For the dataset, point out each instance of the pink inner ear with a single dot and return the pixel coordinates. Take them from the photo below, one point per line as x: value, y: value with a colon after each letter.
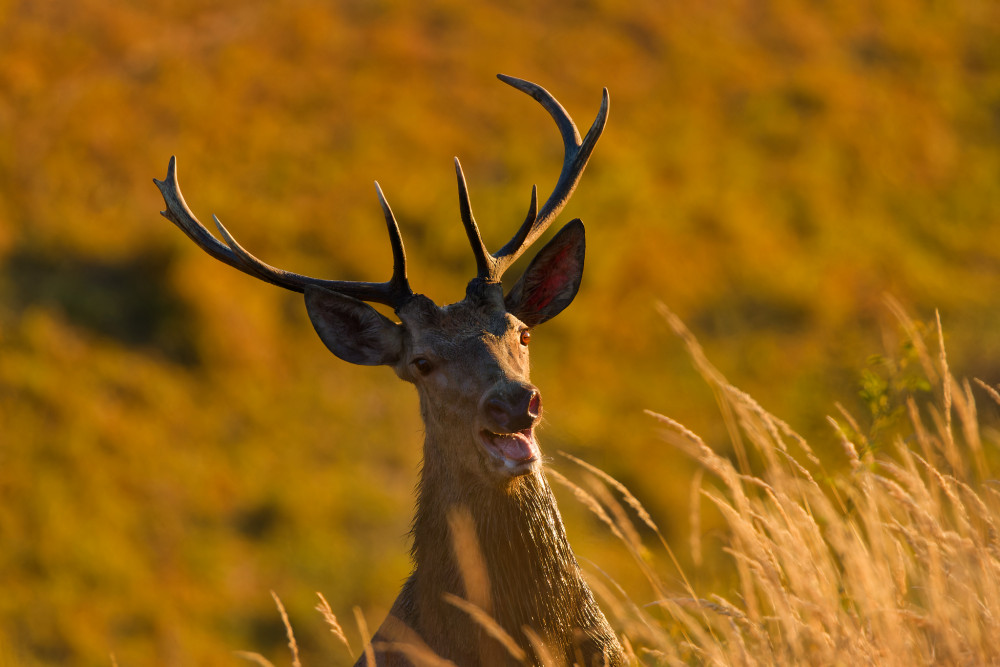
x: 540, y: 293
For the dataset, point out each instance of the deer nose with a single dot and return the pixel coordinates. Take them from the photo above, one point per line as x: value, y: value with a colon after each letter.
x: 514, y: 413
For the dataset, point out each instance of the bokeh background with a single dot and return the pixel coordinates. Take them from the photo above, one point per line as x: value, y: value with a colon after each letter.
x: 175, y: 442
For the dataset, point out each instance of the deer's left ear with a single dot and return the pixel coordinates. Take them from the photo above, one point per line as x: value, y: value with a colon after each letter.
x: 552, y: 278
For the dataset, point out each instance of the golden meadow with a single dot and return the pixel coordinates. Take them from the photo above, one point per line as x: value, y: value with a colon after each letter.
x: 804, y: 185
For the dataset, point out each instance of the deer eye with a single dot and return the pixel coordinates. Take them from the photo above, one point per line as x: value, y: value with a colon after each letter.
x: 525, y: 337
x: 422, y: 365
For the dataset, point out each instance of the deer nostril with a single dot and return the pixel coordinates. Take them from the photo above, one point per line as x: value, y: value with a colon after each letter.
x: 525, y: 412
x: 534, y: 404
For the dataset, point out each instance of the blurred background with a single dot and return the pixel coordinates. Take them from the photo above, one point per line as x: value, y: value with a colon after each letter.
x: 175, y: 441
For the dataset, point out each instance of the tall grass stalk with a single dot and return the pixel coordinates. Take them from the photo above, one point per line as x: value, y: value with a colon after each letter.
x: 894, y: 561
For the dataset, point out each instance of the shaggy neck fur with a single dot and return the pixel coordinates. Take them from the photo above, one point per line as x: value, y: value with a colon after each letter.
x: 534, y: 579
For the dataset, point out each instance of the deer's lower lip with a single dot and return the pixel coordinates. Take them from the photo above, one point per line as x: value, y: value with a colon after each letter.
x: 513, y: 450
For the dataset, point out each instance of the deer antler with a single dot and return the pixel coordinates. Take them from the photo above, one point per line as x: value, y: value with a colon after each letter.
x: 577, y: 153
x: 394, y: 292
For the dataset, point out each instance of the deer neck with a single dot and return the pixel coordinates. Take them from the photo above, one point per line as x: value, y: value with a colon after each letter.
x: 533, y: 577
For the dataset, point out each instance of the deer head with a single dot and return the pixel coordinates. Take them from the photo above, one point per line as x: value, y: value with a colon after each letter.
x: 468, y: 360
x: 469, y: 363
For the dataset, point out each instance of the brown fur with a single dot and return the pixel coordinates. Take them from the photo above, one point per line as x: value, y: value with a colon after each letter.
x: 534, y: 580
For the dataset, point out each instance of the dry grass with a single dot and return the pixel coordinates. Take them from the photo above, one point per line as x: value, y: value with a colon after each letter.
x: 893, y: 561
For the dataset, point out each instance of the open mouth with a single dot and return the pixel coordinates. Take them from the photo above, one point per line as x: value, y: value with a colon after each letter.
x: 514, y: 451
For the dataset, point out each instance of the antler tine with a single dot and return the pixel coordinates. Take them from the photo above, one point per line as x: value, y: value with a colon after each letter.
x: 577, y: 153
x: 178, y: 213
x: 485, y: 263
x: 394, y: 292
x: 529, y: 220
x: 399, y: 284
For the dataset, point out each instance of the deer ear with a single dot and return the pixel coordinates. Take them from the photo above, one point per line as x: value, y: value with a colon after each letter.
x: 353, y: 330
x: 552, y: 278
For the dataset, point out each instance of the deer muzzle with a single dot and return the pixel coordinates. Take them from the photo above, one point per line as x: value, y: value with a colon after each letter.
x: 509, y: 419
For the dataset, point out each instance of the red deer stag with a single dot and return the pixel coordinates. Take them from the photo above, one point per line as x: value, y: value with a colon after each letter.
x: 481, y: 461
